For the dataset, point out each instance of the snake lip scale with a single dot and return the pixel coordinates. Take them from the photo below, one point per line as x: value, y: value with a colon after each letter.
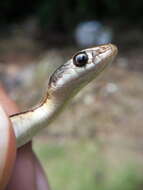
x: 63, y: 85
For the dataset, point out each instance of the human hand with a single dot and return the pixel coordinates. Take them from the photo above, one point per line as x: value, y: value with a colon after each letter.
x: 19, y: 169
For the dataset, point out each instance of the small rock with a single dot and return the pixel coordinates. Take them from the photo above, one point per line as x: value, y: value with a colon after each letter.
x: 111, y: 88
x: 91, y: 33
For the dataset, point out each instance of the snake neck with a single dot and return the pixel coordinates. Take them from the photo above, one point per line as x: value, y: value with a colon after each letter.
x: 27, y: 123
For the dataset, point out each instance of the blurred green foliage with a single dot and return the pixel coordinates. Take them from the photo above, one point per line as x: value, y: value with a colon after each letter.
x: 80, y: 166
x: 65, y: 14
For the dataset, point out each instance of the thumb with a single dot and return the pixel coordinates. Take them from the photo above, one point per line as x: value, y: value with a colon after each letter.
x: 7, y: 148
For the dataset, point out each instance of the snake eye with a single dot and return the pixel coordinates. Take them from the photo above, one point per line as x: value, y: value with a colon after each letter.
x: 80, y: 59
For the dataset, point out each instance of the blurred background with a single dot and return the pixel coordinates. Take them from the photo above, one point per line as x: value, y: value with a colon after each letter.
x: 97, y: 142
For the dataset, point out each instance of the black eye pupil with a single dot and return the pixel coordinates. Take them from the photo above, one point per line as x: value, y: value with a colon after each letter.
x: 81, y: 59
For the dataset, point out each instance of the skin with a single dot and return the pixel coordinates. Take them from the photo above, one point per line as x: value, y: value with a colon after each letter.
x: 19, y: 170
x: 63, y: 85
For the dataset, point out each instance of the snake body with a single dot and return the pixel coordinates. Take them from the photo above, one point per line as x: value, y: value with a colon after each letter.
x: 63, y: 84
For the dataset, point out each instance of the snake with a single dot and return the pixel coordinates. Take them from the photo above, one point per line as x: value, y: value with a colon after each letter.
x: 62, y: 86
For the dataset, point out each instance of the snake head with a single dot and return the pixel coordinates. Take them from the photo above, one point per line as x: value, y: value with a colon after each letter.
x: 82, y: 68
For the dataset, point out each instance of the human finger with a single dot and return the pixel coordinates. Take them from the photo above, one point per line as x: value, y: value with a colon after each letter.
x: 7, y: 148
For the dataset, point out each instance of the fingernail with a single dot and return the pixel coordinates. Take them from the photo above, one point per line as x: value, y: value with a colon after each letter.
x: 4, y: 121
x: 4, y: 126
